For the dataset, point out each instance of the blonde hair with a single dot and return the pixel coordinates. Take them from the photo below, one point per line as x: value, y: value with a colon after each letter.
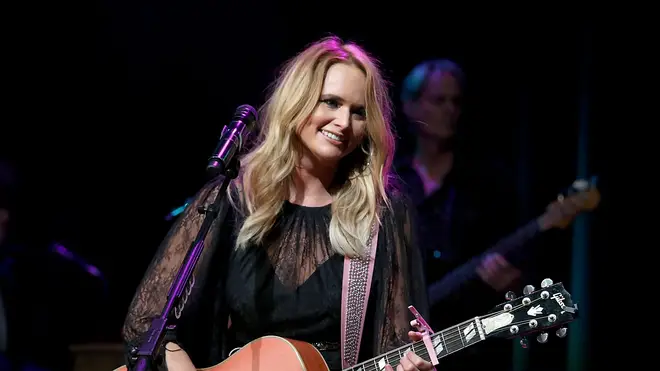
x: 267, y: 171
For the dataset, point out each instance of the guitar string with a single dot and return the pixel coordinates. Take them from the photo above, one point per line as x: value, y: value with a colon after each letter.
x: 454, y: 334
x: 422, y: 352
x: 452, y: 337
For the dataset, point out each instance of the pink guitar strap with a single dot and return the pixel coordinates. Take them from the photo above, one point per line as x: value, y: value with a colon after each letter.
x: 356, y: 286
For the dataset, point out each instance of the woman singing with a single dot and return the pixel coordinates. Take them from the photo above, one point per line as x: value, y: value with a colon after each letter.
x: 314, y: 190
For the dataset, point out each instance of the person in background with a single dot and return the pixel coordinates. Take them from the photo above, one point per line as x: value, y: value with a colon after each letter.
x: 28, y: 340
x: 464, y: 205
x: 44, y: 291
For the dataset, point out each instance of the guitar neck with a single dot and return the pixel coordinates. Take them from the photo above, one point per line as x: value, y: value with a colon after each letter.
x: 444, y: 343
x: 450, y: 282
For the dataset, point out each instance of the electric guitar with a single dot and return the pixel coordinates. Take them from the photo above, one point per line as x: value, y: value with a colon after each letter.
x: 536, y: 312
x: 581, y: 196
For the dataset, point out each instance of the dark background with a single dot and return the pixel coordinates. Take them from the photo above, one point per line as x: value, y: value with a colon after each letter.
x: 118, y: 106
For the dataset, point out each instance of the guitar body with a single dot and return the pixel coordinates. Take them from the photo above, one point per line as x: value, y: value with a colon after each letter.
x: 268, y: 353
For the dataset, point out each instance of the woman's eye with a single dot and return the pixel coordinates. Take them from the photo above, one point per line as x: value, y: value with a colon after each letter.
x: 332, y: 103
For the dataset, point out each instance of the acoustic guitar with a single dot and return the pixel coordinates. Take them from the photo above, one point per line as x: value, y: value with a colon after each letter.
x: 536, y: 312
x: 581, y: 196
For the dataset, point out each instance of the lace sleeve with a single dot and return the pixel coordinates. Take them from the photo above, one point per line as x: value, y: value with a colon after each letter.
x: 404, y: 282
x: 151, y: 295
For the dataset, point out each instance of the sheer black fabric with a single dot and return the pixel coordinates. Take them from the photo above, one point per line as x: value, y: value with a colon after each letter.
x: 290, y: 287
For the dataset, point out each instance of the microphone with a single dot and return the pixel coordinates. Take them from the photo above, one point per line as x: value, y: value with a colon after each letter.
x: 232, y: 139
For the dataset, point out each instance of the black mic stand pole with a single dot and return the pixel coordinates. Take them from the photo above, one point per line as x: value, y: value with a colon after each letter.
x: 145, y: 354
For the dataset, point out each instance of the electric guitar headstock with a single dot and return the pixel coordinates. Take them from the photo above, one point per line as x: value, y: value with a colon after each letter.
x: 581, y: 196
x: 536, y: 312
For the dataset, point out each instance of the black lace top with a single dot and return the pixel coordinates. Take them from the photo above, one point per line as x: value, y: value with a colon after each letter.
x: 293, y: 288
x: 290, y: 287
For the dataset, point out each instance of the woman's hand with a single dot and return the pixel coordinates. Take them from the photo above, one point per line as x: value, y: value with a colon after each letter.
x: 411, y: 361
x: 177, y: 359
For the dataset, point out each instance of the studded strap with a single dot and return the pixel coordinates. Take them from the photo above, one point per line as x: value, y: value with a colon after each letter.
x: 356, y: 286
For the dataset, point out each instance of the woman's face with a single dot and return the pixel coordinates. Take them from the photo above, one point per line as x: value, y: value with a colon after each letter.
x: 337, y: 125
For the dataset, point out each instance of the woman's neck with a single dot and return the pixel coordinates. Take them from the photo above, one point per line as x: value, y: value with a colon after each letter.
x: 311, y: 186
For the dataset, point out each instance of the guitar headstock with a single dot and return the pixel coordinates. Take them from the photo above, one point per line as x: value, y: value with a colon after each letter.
x: 581, y: 196
x: 536, y: 311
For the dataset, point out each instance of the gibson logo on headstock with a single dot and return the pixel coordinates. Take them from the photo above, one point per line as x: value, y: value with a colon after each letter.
x: 559, y: 298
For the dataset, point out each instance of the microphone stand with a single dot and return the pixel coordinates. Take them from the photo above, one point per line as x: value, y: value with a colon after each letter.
x: 145, y: 354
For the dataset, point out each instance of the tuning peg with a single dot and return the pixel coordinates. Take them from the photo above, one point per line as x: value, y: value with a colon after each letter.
x: 542, y: 338
x: 528, y: 290
x: 510, y: 295
x: 524, y: 342
x: 561, y: 332
x: 546, y: 282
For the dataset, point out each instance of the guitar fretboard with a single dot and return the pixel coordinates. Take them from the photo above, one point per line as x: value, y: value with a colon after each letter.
x: 444, y: 343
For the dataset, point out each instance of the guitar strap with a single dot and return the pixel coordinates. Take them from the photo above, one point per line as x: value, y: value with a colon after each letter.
x: 356, y: 286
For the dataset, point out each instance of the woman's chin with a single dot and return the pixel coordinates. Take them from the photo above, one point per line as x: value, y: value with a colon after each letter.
x: 328, y: 154
x: 324, y: 159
